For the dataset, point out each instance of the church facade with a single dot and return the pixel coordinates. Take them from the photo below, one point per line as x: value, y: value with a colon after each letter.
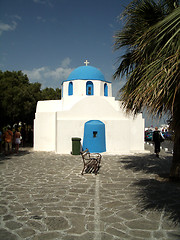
x: 87, y: 110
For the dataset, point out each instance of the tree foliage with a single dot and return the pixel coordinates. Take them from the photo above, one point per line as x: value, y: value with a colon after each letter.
x: 18, y: 97
x: 50, y: 94
x: 151, y: 63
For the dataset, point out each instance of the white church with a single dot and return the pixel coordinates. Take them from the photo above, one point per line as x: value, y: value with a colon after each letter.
x: 88, y: 111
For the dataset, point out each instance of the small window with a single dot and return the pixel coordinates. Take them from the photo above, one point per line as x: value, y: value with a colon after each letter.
x: 105, y: 90
x: 95, y: 134
x: 70, y: 89
x: 89, y: 88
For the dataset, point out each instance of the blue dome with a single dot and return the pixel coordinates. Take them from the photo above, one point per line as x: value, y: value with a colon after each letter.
x: 86, y: 73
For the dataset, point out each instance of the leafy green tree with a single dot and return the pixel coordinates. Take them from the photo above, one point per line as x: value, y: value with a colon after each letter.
x: 151, y: 63
x: 50, y: 93
x: 18, y: 98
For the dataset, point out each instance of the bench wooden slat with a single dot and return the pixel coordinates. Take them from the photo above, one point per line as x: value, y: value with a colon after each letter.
x: 91, y: 162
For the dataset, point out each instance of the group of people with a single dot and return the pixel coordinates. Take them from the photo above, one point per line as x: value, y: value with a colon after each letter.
x: 9, y: 138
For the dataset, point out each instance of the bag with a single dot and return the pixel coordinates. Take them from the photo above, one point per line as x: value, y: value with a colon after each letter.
x: 161, y: 139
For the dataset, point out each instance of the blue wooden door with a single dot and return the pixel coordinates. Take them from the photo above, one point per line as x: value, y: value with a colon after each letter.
x: 94, y: 136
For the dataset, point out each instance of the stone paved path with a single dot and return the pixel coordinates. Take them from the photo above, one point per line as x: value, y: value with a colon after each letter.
x: 43, y: 196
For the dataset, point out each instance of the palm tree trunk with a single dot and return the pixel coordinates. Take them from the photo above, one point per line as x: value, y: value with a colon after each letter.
x: 175, y: 167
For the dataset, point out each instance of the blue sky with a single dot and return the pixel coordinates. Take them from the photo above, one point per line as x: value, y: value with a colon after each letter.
x: 47, y: 39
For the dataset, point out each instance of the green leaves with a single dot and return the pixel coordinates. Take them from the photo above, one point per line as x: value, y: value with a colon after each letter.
x: 18, y: 97
x: 151, y: 63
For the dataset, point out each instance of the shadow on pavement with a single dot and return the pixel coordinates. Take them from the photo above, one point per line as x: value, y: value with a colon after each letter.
x: 156, y: 192
x: 4, y: 157
x: 148, y: 164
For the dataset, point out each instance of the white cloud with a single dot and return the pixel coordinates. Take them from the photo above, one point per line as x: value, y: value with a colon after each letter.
x: 48, y: 2
x: 50, y: 77
x: 36, y: 73
x: 17, y: 17
x: 41, y: 19
x: 65, y: 63
x: 58, y: 73
x: 39, y: 1
x: 4, y: 27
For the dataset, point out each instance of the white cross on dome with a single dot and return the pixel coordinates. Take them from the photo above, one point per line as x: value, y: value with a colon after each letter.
x: 86, y: 62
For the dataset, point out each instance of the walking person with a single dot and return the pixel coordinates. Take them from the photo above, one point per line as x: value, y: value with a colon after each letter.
x: 17, y: 139
x: 157, y: 139
x: 8, y: 137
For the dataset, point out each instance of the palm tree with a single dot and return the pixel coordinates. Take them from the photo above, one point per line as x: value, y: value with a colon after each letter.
x: 151, y: 63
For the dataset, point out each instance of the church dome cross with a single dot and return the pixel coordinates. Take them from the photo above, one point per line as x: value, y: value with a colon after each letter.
x: 86, y: 62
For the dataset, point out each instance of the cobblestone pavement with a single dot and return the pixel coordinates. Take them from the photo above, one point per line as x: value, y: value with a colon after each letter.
x: 44, y: 197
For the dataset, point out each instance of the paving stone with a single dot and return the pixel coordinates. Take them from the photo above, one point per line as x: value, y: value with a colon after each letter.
x: 25, y: 232
x: 13, y: 225
x: 142, y: 234
x: 56, y: 223
x: 173, y: 235
x: 8, y: 217
x: 6, y: 235
x: 48, y: 236
x: 116, y: 232
x: 158, y: 234
x: 86, y: 236
x: 77, y: 223
x: 105, y: 213
x: 3, y: 202
x: 119, y: 226
x: 111, y: 219
x: 142, y: 224
x: 80, y: 210
x: 106, y: 236
x: 3, y: 210
x: 128, y: 215
x: 168, y: 225
x: 112, y: 204
x: 37, y: 225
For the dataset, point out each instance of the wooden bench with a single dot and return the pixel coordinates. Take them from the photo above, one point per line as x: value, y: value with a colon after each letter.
x: 91, y: 162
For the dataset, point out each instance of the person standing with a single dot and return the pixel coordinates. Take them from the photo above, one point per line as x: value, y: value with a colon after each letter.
x: 17, y: 139
x: 23, y: 135
x: 157, y: 139
x: 8, y: 137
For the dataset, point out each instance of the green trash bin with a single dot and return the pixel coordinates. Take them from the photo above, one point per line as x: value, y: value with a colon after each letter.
x: 76, y: 144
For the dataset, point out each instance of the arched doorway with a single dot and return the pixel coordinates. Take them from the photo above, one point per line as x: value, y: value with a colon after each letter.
x: 94, y: 136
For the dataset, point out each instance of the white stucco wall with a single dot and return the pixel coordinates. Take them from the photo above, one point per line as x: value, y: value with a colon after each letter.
x: 92, y: 107
x: 119, y: 135
x: 45, y: 131
x: 55, y: 124
x: 49, y: 106
x: 137, y: 133
x: 66, y: 129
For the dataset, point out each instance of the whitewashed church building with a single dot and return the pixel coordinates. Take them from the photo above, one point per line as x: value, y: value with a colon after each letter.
x: 87, y: 110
